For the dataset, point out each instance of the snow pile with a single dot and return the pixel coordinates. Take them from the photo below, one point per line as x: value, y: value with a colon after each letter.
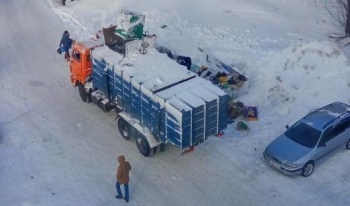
x: 303, y: 74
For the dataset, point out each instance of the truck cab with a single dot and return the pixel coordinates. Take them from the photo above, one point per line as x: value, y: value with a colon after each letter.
x: 80, y: 64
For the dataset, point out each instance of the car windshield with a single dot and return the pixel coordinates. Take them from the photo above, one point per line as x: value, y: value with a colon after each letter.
x: 303, y: 134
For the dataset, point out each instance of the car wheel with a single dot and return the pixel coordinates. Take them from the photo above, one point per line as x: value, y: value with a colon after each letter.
x: 308, y: 169
x: 348, y: 144
x: 143, y: 145
x: 124, y: 129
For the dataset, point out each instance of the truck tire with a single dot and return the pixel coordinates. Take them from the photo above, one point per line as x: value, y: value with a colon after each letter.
x: 124, y: 129
x: 82, y: 92
x: 143, y: 146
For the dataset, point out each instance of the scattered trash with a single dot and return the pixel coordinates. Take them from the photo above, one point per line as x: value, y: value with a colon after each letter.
x: 220, y: 134
x: 250, y: 113
x: 241, y: 126
x: 211, y: 68
x: 235, y: 109
x: 191, y: 149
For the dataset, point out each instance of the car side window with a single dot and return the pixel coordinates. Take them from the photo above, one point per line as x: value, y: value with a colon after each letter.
x: 334, y: 131
x: 342, y: 126
x: 327, y: 136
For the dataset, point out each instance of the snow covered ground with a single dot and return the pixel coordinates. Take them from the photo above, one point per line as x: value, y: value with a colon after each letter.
x: 56, y: 150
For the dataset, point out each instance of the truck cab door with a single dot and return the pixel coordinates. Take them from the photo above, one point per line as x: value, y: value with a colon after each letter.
x: 76, y: 67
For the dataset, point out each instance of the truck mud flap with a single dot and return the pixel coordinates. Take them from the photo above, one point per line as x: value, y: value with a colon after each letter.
x: 102, y: 103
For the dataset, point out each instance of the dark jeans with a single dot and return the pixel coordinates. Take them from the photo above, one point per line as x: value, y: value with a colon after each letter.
x: 126, y: 190
x: 66, y: 54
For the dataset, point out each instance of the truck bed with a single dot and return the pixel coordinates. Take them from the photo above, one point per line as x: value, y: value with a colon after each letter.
x: 170, y: 103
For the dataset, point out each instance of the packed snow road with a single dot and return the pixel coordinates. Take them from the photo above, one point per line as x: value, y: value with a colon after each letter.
x: 57, y: 150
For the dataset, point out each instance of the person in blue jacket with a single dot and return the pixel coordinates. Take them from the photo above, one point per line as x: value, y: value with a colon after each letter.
x: 65, y: 44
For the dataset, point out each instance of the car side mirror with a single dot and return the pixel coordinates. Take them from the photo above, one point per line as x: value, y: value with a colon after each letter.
x: 287, y: 126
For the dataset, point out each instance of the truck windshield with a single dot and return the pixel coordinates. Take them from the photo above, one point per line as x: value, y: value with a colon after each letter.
x: 303, y: 134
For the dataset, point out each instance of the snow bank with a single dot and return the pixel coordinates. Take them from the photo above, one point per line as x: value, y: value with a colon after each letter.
x: 301, y: 75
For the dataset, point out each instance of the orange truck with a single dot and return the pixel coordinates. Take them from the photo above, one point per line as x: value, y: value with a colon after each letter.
x: 81, y: 67
x: 157, y: 101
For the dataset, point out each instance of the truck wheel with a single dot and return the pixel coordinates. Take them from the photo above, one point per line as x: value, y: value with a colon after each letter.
x: 143, y: 145
x: 124, y: 129
x: 82, y: 92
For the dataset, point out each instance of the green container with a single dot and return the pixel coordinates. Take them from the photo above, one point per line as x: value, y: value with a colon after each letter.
x: 130, y: 25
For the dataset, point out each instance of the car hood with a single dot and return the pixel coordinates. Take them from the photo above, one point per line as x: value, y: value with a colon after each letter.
x: 285, y: 149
